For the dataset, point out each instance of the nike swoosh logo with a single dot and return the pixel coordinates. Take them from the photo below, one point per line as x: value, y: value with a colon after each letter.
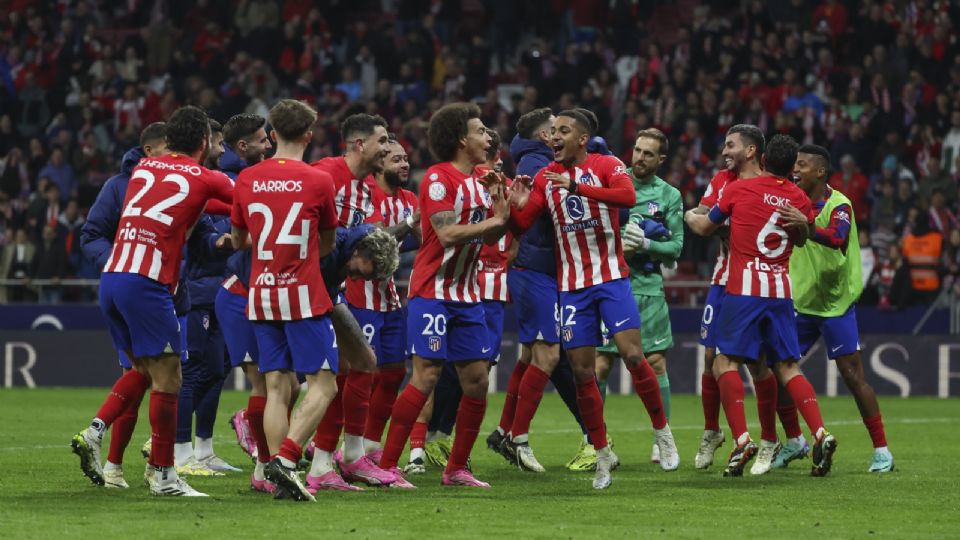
x: 835, y: 349
x: 659, y: 341
x: 485, y: 350
x: 621, y: 323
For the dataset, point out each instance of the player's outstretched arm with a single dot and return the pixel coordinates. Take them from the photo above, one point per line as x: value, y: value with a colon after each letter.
x: 700, y: 224
x: 450, y: 233
x: 240, y: 237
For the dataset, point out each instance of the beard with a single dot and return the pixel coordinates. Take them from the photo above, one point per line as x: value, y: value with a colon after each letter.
x: 393, y: 178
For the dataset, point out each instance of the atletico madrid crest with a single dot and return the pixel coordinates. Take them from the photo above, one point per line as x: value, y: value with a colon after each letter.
x: 434, y: 343
x: 567, y: 334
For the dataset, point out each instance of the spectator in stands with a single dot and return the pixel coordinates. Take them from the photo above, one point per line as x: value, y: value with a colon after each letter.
x: 15, y: 265
x: 936, y: 179
x: 951, y: 143
x: 852, y: 183
x: 922, y: 250
x: 14, y: 179
x: 49, y: 263
x: 60, y: 173
x: 942, y: 218
x: 68, y: 233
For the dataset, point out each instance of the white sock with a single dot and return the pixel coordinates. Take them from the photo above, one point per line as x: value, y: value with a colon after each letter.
x: 352, y: 447
x: 182, y: 452
x: 799, y: 441
x: 521, y: 439
x: 743, y: 438
x: 879, y: 450
x: 370, y: 446
x: 258, y: 472
x: 500, y: 431
x: 604, y: 452
x: 109, y: 466
x: 416, y: 453
x: 322, y: 463
x: 286, y: 462
x: 203, y: 448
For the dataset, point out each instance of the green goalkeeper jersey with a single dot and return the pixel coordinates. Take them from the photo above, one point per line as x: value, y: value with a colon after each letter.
x: 662, y: 202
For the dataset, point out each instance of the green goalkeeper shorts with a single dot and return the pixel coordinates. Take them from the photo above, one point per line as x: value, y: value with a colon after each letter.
x: 655, y: 327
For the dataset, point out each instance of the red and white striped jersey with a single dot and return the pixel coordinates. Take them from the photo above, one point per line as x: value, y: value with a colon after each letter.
x: 233, y: 285
x: 494, y: 259
x: 721, y: 269
x: 164, y: 200
x: 759, y: 246
x: 354, y: 198
x: 382, y: 295
x: 587, y: 230
x: 285, y: 204
x: 449, y: 273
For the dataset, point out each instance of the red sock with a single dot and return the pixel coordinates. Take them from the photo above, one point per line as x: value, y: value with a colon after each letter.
x: 528, y: 399
x: 289, y: 450
x: 806, y: 400
x: 789, y: 420
x: 356, y: 401
x: 122, y: 431
x: 648, y: 388
x: 731, y: 395
x: 766, y: 390
x: 405, y: 412
x: 710, y: 396
x: 510, y: 403
x: 387, y: 383
x: 328, y: 432
x: 875, y: 427
x: 469, y: 418
x: 591, y: 410
x: 163, y: 424
x: 255, y: 406
x: 130, y: 387
x: 418, y: 435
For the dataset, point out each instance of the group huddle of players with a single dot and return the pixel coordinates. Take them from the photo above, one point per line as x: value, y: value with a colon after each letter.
x: 302, y: 259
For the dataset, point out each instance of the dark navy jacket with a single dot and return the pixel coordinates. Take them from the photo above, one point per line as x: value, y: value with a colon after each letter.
x: 536, y: 251
x: 333, y: 266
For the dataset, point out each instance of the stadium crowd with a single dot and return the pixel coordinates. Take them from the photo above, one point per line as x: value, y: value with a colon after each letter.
x: 877, y: 83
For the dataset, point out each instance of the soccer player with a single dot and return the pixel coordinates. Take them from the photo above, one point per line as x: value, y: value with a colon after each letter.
x: 533, y: 286
x: 756, y: 313
x: 826, y: 284
x: 366, y: 138
x: 582, y: 193
x: 284, y: 209
x: 742, y: 151
x: 164, y: 200
x: 652, y: 235
x: 380, y: 314
x: 446, y: 319
x: 96, y: 241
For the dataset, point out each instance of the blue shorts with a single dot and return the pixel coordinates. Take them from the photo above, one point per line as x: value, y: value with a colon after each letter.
x: 535, y: 299
x: 839, y: 333
x: 140, y: 315
x: 748, y: 325
x: 305, y: 346
x: 708, y: 327
x: 581, y: 313
x: 386, y: 332
x: 493, y: 314
x: 237, y: 329
x: 445, y: 330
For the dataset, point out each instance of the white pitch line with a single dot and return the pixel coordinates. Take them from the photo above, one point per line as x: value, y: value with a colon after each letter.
x: 886, y: 421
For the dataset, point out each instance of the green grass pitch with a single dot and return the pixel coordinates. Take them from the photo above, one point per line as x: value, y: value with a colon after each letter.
x: 44, y: 495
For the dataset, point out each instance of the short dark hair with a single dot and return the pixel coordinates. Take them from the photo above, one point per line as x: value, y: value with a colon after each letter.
x: 241, y: 126
x: 781, y: 154
x: 361, y: 124
x: 392, y: 138
x: 528, y: 123
x: 187, y: 128
x: 582, y: 120
x: 817, y: 150
x: 447, y: 126
x: 591, y: 118
x: 215, y: 127
x: 657, y: 135
x: 291, y: 118
x: 750, y: 134
x: 156, y: 131
x: 495, y: 143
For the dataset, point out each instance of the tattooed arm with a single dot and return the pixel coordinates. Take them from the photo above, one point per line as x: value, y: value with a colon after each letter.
x: 451, y: 234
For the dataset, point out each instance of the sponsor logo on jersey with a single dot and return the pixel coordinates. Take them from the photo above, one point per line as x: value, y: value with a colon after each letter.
x: 266, y: 279
x: 581, y: 225
x: 357, y: 219
x: 477, y: 215
x: 574, y: 206
x: 437, y: 190
x: 277, y: 186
